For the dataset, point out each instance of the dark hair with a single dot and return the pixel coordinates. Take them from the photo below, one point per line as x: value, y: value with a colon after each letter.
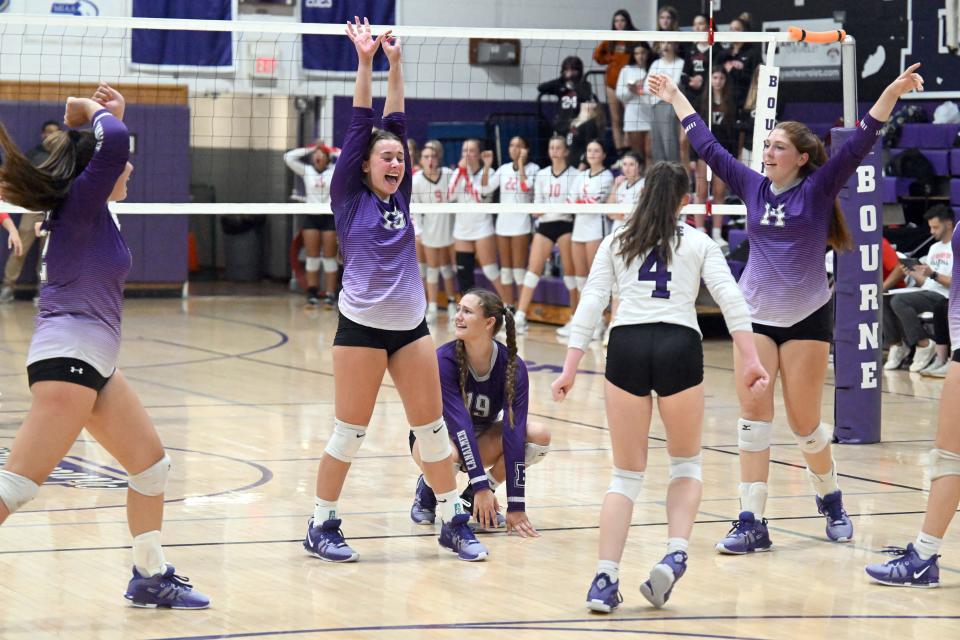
x: 493, y: 307
x: 636, y: 155
x: 727, y: 103
x: 940, y: 211
x: 745, y: 19
x: 626, y: 16
x: 50, y: 122
x: 376, y: 136
x: 646, y: 47
x: 653, y: 225
x: 806, y: 141
x: 521, y: 139
x: 45, y: 187
x: 574, y: 63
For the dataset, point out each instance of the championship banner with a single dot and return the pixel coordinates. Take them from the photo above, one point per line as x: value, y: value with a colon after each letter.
x: 168, y: 48
x: 337, y: 53
x: 857, y: 305
x: 765, y: 114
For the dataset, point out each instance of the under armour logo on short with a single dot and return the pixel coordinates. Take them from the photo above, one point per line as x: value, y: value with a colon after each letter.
x: 77, y: 370
x: 777, y: 213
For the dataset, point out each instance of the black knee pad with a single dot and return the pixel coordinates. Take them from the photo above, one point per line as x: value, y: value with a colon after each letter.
x: 466, y: 263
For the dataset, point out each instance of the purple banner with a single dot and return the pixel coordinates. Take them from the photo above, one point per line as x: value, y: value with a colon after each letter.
x: 857, y: 339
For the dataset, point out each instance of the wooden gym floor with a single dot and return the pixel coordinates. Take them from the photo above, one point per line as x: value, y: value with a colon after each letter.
x: 241, y: 391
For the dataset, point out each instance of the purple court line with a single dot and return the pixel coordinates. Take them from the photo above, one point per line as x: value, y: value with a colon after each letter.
x: 266, y: 475
x: 537, y: 625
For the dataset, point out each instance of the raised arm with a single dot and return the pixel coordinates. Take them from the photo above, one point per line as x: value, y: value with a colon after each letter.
x: 95, y: 183
x: 366, y: 45
x: 294, y: 160
x: 906, y: 82
x: 394, y: 102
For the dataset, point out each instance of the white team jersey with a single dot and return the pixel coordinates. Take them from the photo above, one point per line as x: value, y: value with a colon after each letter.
x: 627, y: 194
x: 652, y: 292
x: 508, y: 180
x: 316, y: 184
x: 591, y: 188
x: 555, y: 189
x: 465, y: 187
x: 436, y: 229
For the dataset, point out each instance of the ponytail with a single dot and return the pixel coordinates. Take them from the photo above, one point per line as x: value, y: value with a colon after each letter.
x: 45, y: 187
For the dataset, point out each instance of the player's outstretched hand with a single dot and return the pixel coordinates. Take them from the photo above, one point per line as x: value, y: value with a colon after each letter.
x: 663, y: 87
x: 517, y: 522
x: 907, y: 81
x: 755, y: 377
x: 365, y: 43
x: 391, y: 47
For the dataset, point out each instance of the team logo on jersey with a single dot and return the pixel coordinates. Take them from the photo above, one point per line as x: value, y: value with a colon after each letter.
x: 777, y: 213
x: 394, y: 220
x: 520, y: 473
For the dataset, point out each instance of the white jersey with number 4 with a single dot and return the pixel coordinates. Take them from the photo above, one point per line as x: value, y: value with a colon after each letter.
x: 651, y: 291
x: 436, y: 229
x: 550, y: 188
x: 592, y: 188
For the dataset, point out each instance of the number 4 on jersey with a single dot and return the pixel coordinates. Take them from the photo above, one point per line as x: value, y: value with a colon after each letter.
x: 655, y: 269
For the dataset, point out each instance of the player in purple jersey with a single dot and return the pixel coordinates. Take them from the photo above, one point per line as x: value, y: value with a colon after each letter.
x: 792, y: 215
x: 72, y: 362
x: 916, y: 565
x: 485, y: 397
x: 655, y: 346
x: 382, y: 326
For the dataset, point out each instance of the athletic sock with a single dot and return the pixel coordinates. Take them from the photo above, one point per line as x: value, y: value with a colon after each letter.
x: 148, y: 554
x: 323, y: 510
x: 610, y: 568
x: 824, y: 484
x: 677, y: 544
x: 753, y: 498
x: 927, y: 545
x: 449, y: 504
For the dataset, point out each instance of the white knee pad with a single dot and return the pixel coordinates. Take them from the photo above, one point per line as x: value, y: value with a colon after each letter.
x: 943, y: 463
x: 534, y: 453
x: 434, y: 441
x: 686, y: 468
x: 570, y: 282
x: 519, y: 273
x: 506, y: 276
x: 753, y: 435
x: 581, y: 282
x: 433, y: 275
x: 530, y: 280
x: 816, y: 441
x: 627, y: 483
x: 152, y: 481
x: 491, y: 272
x: 422, y: 266
x: 345, y: 441
x: 15, y: 490
x: 446, y: 272
x: 330, y: 265
x: 313, y: 264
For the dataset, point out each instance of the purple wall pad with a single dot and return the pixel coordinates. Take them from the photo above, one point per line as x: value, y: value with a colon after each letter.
x: 857, y: 355
x: 955, y: 191
x: 955, y: 162
x: 161, y: 173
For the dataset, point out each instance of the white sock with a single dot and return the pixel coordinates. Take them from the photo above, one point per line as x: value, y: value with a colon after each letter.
x: 492, y: 482
x: 610, y: 568
x: 449, y: 504
x: 717, y: 233
x: 824, y: 484
x: 927, y: 545
x: 520, y: 316
x: 753, y: 498
x: 431, y: 306
x: 677, y: 544
x: 148, y: 554
x: 323, y: 510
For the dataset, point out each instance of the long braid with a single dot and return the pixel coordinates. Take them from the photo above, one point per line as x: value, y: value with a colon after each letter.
x: 511, y: 377
x: 461, y: 353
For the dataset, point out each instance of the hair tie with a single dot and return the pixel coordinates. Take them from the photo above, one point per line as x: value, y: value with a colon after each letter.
x: 74, y: 136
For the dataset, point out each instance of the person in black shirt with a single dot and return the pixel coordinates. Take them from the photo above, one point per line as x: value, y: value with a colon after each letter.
x: 572, y: 90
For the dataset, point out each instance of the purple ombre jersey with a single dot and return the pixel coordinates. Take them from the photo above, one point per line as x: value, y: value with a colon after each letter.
x: 785, y: 279
x: 85, y: 262
x: 381, y: 279
x: 485, y: 397
x: 954, y: 309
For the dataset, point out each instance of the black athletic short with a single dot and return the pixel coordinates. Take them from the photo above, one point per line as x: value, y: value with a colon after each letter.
x: 66, y: 370
x: 661, y: 357
x: 354, y: 334
x: 322, y: 222
x: 817, y: 326
x: 956, y: 355
x: 555, y: 230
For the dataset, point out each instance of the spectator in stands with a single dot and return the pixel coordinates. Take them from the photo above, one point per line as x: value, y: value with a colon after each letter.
x: 13, y: 237
x: 723, y: 115
x: 693, y: 82
x: 902, y: 328
x: 666, y: 131
x: 588, y: 126
x: 746, y: 118
x: 615, y: 55
x: 738, y: 59
x: 668, y: 20
x: 637, y: 110
x: 892, y: 273
x: 28, y: 221
x: 572, y: 90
